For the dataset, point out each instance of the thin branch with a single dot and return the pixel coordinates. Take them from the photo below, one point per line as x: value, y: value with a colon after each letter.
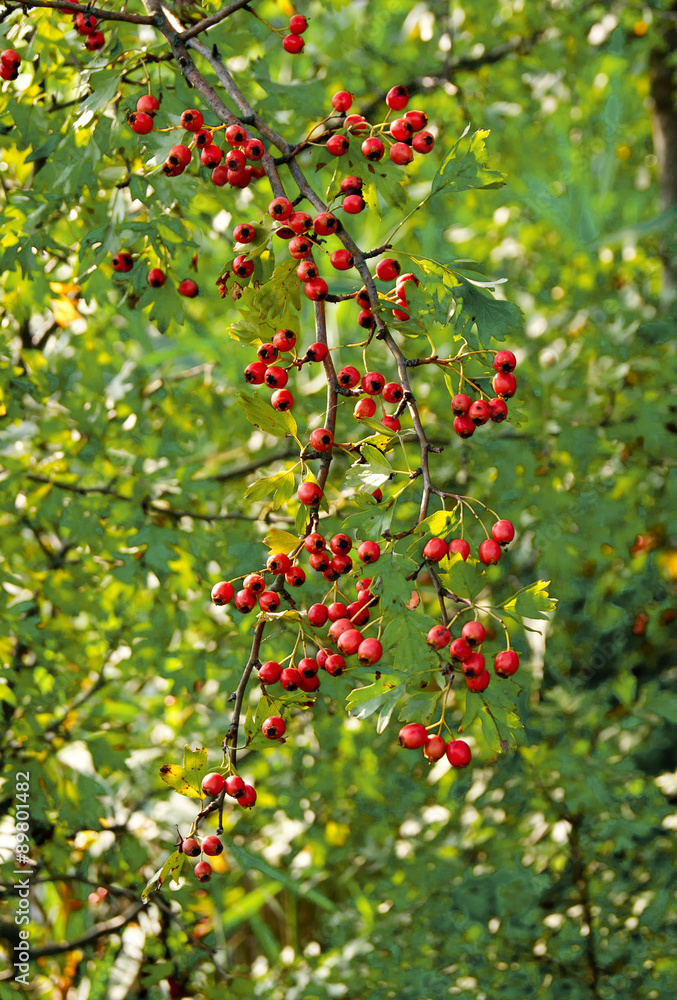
x: 101, y: 14
x: 209, y: 22
x: 97, y: 931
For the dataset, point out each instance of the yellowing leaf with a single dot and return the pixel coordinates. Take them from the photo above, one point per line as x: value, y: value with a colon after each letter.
x: 64, y: 311
x: 281, y: 541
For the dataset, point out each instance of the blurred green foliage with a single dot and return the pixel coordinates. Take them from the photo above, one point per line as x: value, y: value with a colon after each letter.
x: 546, y: 872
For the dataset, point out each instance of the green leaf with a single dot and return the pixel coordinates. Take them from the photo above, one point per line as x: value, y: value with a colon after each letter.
x: 281, y: 486
x: 464, y: 579
x: 494, y: 319
x: 440, y: 523
x: 381, y: 696
x: 533, y: 601
x: 373, y: 472
x: 261, y: 414
x: 247, y: 861
x: 171, y: 870
x: 463, y: 168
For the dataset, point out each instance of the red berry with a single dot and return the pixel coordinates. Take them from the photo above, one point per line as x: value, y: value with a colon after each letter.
x: 248, y: 797
x: 321, y: 439
x: 479, y: 682
x: 353, y: 204
x: 309, y: 493
x: 335, y: 664
x: 203, y: 871
x: 490, y: 551
x: 282, y: 400
x: 358, y: 613
x: 397, y: 98
x: 269, y: 672
x: 255, y: 583
x: 393, y: 392
x: 234, y: 159
x: 369, y: 651
x: 191, y: 120
x: 417, y: 119
x: 434, y: 748
x: 317, y: 352
x: 213, y: 783
x: 290, y: 678
x: 423, y: 142
x: 235, y: 786
x: 373, y: 383
x: 341, y: 563
x: 438, y: 637
x: 503, y: 532
x: 401, y: 129
x: 300, y: 247
x: 348, y: 377
x: 284, y: 340
x: 388, y: 269
x: 362, y: 586
x: 464, y: 427
x: 219, y: 175
x: 242, y: 267
x: 211, y: 156
x: 309, y: 684
x: 505, y: 361
x: 341, y: 543
x: 435, y: 549
x: 349, y: 641
x: 499, y: 409
x: 317, y: 615
x: 458, y: 753
x: 276, y: 377
x: 245, y: 601
x: 342, y: 259
x: 278, y: 563
x: 320, y: 561
x: 402, y: 282
x: 337, y: 611
x: 254, y: 149
x: 366, y: 319
x: 460, y: 404
x: 338, y: 145
x: 11, y: 58
x: 391, y: 423
x: 179, y: 156
x: 341, y: 101
x: 401, y: 154
x: 356, y: 124
x: 504, y: 384
x: 474, y: 633
x: 222, y: 593
x: 297, y: 24
x: 203, y: 137
x: 122, y: 261
x: 267, y: 353
x: 190, y: 847
x: 300, y: 222
x: 307, y: 270
x: 140, y: 122
x: 314, y: 542
x: 373, y: 149
x: 236, y: 135
x: 95, y: 41
x: 293, y: 44
x: 269, y: 601
x: 280, y: 209
x: 460, y: 650
x: 273, y: 728
x: 147, y: 102
x: 474, y: 665
x: 212, y: 846
x: 316, y: 289
x: 479, y: 412
x: 255, y: 373
x: 506, y: 663
x: 461, y: 546
x: 401, y: 314
x: 188, y: 288
x: 239, y: 178
x: 338, y: 627
x: 156, y: 277
x: 369, y: 552
x: 412, y: 736
x: 325, y: 223
x: 308, y: 666
x: 295, y: 576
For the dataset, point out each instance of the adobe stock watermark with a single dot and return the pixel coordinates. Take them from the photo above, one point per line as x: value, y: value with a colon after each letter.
x: 22, y: 886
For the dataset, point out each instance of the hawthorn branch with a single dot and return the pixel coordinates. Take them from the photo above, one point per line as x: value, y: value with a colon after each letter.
x: 101, y: 14
x: 209, y: 22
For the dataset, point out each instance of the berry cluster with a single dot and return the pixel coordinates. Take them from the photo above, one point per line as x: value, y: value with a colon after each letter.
x: 413, y: 736
x: 293, y: 42
x: 87, y: 25
x: 403, y: 137
x: 215, y: 784
x: 469, y: 415
x: 10, y: 60
x: 123, y: 261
